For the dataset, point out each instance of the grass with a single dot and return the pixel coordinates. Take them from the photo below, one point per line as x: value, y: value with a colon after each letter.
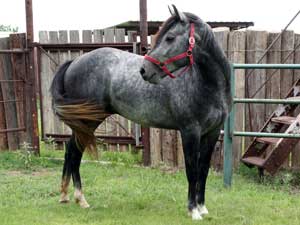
x: 125, y: 194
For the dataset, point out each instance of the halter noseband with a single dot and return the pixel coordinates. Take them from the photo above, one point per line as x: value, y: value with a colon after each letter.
x: 187, y: 54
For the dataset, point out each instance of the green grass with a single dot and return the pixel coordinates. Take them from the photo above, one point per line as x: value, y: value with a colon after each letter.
x: 125, y: 194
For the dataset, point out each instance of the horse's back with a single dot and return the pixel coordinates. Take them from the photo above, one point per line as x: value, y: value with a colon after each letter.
x: 89, y: 75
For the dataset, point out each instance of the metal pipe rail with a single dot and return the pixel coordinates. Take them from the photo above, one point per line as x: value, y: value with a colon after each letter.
x: 229, y: 123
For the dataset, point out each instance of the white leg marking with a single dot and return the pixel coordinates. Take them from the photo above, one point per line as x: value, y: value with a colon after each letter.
x: 80, y: 199
x: 64, y: 198
x: 195, y: 214
x: 203, y: 210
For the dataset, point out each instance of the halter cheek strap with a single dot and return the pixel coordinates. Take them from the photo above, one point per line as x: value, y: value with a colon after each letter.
x: 187, y: 54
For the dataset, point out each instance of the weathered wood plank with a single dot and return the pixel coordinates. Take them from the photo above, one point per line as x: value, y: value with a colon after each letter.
x: 8, y: 93
x: 74, y: 38
x: 120, y: 35
x: 109, y: 35
x: 98, y: 36
x: 45, y: 70
x: 53, y: 39
x: 256, y: 44
x: 63, y: 57
x: 286, y: 76
x: 19, y: 73
x: 87, y: 36
x: 155, y: 146
x: 236, y: 54
x: 222, y: 35
x: 132, y: 36
x: 273, y: 86
x: 3, y: 136
x: 169, y: 148
x: 296, y: 152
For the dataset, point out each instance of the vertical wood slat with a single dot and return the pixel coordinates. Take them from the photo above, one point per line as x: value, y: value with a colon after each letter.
x: 180, y: 154
x: 155, y: 146
x: 8, y: 93
x: 98, y: 36
x: 273, y: 86
x: 286, y: 76
x: 169, y: 148
x: 236, y: 54
x: 45, y: 80
x: 221, y: 35
x: 296, y: 152
x: 58, y: 125
x: 74, y: 38
x: 3, y: 136
x: 19, y: 73
x: 63, y: 57
x: 256, y: 41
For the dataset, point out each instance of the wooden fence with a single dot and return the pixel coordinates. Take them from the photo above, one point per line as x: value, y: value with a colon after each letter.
x: 166, y: 145
x: 50, y: 60
x: 15, y: 93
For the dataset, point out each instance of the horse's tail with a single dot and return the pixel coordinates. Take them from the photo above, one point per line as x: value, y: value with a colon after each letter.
x: 80, y: 115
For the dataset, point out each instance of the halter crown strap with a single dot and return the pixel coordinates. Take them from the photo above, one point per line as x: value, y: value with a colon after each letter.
x: 187, y: 54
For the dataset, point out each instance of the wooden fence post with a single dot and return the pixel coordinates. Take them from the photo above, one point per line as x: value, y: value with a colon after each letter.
x: 8, y: 94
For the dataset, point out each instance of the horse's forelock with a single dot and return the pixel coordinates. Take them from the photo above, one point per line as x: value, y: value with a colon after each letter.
x: 192, y: 18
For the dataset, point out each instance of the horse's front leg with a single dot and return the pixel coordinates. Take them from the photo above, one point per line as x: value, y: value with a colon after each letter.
x: 191, y: 146
x: 207, y: 147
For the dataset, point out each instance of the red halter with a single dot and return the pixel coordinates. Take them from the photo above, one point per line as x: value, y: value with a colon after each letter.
x: 188, y: 54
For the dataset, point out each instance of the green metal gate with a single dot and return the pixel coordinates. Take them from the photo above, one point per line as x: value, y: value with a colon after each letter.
x: 229, y: 131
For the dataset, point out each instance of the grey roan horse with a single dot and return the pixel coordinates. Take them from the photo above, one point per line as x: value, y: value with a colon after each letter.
x: 105, y: 81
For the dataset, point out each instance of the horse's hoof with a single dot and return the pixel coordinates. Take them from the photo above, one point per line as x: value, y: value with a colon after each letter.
x: 80, y: 199
x: 203, y: 210
x: 195, y: 213
x: 83, y: 204
x: 64, y: 199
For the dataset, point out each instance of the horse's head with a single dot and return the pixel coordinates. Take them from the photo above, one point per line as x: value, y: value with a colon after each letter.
x: 174, y: 47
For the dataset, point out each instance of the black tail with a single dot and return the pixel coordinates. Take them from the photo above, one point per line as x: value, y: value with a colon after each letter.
x: 77, y: 114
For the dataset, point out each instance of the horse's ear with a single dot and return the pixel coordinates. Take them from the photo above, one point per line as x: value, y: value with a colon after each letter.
x: 171, y: 10
x: 179, y: 14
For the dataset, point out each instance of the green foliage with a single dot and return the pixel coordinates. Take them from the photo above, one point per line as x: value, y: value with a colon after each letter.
x: 8, y: 28
x: 25, y: 155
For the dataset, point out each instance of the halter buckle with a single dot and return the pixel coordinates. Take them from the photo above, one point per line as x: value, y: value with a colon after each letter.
x: 192, y: 41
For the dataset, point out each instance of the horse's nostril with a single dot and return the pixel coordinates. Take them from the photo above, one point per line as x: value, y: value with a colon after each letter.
x: 142, y: 71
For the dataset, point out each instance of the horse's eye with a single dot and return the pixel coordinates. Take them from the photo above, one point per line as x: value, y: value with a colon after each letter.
x: 170, y: 37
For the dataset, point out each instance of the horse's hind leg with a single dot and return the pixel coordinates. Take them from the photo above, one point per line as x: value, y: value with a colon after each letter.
x: 67, y: 171
x: 73, y: 157
x: 78, y: 193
